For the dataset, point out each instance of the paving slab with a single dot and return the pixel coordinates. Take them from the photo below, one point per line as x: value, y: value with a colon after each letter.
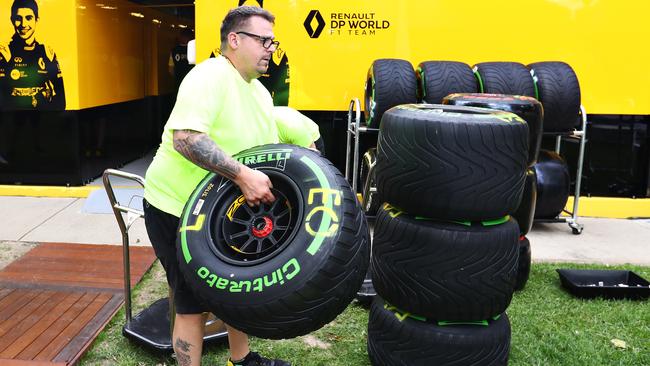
x: 71, y: 225
x: 606, y: 241
x: 20, y: 215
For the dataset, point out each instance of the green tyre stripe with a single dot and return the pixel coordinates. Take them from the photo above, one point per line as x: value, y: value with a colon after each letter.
x: 325, y: 223
x: 480, y: 80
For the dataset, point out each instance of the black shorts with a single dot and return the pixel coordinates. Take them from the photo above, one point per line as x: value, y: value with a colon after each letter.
x: 162, y: 228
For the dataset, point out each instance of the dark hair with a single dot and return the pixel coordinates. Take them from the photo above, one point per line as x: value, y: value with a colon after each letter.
x: 31, y: 4
x: 238, y: 17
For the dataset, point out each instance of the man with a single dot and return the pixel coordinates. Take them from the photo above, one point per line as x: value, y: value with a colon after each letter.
x: 220, y: 110
x: 178, y: 64
x: 30, y: 76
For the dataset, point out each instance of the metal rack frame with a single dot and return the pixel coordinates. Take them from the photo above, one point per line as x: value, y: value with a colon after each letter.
x: 354, y: 130
x: 581, y: 136
x: 153, y: 327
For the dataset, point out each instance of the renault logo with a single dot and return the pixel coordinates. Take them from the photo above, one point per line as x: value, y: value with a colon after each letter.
x: 259, y: 2
x: 320, y: 24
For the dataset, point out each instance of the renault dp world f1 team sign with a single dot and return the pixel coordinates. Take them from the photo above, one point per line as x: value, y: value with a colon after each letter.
x: 353, y: 24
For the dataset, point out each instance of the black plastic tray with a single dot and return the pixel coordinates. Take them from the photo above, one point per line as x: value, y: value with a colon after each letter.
x: 604, y: 283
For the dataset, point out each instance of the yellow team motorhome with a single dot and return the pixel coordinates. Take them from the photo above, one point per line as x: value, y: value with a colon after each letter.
x: 328, y: 46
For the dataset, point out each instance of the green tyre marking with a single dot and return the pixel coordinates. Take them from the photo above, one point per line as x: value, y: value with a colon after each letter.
x: 535, y: 78
x: 480, y: 80
x: 423, y: 83
x: 186, y: 251
x: 325, y: 223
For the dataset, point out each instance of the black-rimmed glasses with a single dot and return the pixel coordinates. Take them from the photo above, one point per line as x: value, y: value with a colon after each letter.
x: 266, y: 41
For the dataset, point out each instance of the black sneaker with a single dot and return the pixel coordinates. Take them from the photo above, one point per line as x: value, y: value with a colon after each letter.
x: 254, y: 359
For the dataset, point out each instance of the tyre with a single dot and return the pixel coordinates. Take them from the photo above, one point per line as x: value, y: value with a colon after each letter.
x: 395, y: 339
x: 390, y: 82
x: 523, y: 264
x: 452, y: 163
x: 553, y: 185
x: 281, y: 270
x: 529, y: 109
x: 444, y: 270
x: 370, y: 200
x: 525, y: 213
x: 504, y: 78
x: 559, y: 91
x: 437, y: 79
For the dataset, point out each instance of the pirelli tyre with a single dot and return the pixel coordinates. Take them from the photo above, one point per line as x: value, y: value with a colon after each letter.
x: 444, y: 270
x: 370, y: 200
x: 396, y: 338
x: 553, y: 185
x: 281, y: 270
x: 437, y: 79
x: 523, y: 264
x: 390, y: 82
x: 504, y: 78
x: 557, y: 87
x: 452, y: 162
x: 529, y: 109
x: 525, y: 213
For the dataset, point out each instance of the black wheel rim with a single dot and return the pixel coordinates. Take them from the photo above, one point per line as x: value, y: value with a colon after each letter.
x: 244, y: 235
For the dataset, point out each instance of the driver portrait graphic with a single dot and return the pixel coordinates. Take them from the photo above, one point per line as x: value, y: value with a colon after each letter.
x: 30, y: 75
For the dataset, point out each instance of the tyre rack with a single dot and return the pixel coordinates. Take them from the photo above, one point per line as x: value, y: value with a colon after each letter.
x: 354, y: 130
x: 581, y: 137
x: 153, y: 326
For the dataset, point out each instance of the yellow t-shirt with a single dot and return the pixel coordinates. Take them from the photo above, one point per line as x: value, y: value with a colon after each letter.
x: 213, y: 98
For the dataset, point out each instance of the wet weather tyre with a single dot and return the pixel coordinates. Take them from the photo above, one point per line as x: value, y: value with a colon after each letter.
x: 523, y: 264
x: 553, y: 185
x: 504, y: 78
x: 529, y: 109
x: 525, y: 213
x: 443, y: 270
x: 281, y: 270
x: 451, y: 162
x: 398, y: 340
x: 437, y: 79
x: 559, y: 91
x: 389, y: 82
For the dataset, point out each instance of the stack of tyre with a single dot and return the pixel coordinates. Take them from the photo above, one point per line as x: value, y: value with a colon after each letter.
x: 509, y: 86
x: 445, y: 250
x: 558, y: 89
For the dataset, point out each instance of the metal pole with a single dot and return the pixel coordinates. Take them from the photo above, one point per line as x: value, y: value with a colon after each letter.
x: 357, y: 124
x: 347, y: 148
x: 581, y: 158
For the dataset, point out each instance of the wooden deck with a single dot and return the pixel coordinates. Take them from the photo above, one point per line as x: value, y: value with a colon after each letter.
x: 57, y: 297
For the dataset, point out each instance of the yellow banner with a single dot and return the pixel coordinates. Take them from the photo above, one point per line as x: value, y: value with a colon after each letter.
x: 331, y: 44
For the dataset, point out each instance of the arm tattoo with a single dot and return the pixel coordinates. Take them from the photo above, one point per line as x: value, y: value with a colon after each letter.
x: 198, y: 148
x: 183, y: 359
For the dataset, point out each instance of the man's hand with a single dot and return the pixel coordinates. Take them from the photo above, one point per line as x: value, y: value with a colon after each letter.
x: 255, y: 185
